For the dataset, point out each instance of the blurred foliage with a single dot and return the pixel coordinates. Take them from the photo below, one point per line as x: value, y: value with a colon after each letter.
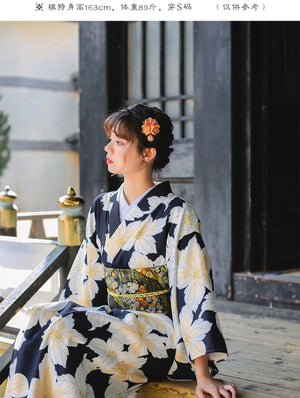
x: 4, y: 140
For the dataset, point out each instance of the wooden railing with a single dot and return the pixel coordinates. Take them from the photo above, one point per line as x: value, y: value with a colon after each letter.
x: 34, y: 224
x: 59, y: 258
x: 39, y: 258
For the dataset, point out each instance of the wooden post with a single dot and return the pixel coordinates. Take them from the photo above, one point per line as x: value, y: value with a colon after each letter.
x: 93, y: 109
x: 8, y: 213
x: 212, y: 145
x: 71, y: 223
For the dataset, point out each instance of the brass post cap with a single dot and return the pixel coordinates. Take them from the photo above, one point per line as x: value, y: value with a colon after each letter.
x: 71, y: 200
x: 7, y: 195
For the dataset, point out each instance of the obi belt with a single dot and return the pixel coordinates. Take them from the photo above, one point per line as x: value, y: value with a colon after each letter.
x: 139, y: 289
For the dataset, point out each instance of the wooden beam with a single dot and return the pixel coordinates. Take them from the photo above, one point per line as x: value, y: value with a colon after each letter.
x: 278, y: 290
x: 212, y: 145
x: 93, y: 109
x: 27, y: 145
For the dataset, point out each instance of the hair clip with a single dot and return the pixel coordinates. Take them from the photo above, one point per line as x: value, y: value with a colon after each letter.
x: 150, y: 128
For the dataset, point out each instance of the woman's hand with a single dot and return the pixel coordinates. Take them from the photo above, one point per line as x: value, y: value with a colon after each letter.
x: 207, y: 384
x: 215, y: 388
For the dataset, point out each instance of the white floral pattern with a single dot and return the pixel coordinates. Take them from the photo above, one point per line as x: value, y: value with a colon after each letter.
x: 60, y: 335
x: 193, y: 276
x: 80, y: 347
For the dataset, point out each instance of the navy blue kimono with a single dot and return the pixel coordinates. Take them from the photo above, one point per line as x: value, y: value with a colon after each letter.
x: 138, y: 306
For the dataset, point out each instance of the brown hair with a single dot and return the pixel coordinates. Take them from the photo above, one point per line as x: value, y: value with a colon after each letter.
x: 127, y: 123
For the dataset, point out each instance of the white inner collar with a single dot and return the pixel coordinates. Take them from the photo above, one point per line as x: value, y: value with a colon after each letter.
x: 124, y: 207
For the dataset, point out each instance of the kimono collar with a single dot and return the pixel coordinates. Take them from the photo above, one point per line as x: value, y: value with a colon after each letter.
x: 124, y: 207
x: 161, y: 189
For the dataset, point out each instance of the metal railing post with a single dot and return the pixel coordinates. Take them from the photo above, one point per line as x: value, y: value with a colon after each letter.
x: 71, y: 223
x: 8, y: 213
x: 71, y: 227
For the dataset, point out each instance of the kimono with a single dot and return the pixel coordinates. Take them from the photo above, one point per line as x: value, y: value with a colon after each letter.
x: 138, y: 306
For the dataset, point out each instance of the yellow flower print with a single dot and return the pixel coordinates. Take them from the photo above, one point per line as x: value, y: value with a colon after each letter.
x: 193, y: 333
x: 59, y: 335
x: 186, y: 221
x: 155, y: 201
x: 138, y: 335
x: 108, y: 352
x: 158, y: 322
x: 107, y: 204
x: 144, y: 241
x: 119, y: 389
x: 76, y: 386
x: 84, y: 292
x: 191, y: 222
x: 128, y: 368
x: 17, y: 384
x: 138, y: 260
x: 180, y: 356
x: 90, y: 224
x: 46, y: 386
x: 42, y: 313
x: 93, y: 268
x: 97, y: 318
x: 193, y: 274
x: 115, y: 243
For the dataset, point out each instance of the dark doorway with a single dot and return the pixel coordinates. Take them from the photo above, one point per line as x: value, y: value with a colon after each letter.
x: 265, y: 127
x: 275, y: 107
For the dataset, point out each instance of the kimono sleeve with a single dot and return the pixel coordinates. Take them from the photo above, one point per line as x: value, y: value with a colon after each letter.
x: 85, y: 283
x: 192, y: 297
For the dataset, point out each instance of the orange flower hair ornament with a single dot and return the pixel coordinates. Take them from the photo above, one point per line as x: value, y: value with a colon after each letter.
x: 150, y: 128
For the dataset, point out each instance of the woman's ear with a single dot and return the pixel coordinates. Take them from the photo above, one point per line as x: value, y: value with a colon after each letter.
x: 149, y: 154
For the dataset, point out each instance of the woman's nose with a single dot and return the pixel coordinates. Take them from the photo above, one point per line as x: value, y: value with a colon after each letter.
x: 106, y: 148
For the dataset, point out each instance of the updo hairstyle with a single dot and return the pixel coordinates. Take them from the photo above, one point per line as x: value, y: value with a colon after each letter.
x: 127, y: 123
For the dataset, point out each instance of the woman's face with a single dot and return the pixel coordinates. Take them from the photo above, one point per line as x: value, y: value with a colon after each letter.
x: 123, y: 156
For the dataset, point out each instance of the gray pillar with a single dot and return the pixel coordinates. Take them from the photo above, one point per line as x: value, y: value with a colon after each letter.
x: 93, y: 109
x: 212, y: 149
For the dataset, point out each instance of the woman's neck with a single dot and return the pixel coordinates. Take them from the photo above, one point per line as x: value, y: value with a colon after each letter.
x: 135, y: 186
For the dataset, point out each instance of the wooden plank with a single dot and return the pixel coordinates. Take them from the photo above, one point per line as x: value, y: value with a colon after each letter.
x: 29, y: 215
x: 19, y: 296
x: 247, y: 310
x: 260, y: 289
x: 261, y: 331
x: 8, y: 231
x: 11, y: 239
x: 186, y: 389
x: 259, y: 372
x: 264, y: 332
x: 30, y: 145
x: 288, y: 356
x: 249, y: 389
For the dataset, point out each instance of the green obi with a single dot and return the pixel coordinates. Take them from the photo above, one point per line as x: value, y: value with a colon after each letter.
x: 140, y: 289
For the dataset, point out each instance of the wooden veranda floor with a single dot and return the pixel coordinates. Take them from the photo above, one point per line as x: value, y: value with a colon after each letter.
x: 264, y: 347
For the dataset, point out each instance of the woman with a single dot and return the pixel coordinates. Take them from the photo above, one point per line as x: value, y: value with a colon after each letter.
x: 138, y: 304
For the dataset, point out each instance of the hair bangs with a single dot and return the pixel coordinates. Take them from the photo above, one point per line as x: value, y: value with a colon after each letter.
x: 118, y: 124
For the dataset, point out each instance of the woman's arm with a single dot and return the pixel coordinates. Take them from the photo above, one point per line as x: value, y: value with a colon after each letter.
x: 207, y: 384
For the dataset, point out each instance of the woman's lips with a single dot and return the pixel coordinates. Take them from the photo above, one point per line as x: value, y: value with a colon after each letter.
x: 108, y: 161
